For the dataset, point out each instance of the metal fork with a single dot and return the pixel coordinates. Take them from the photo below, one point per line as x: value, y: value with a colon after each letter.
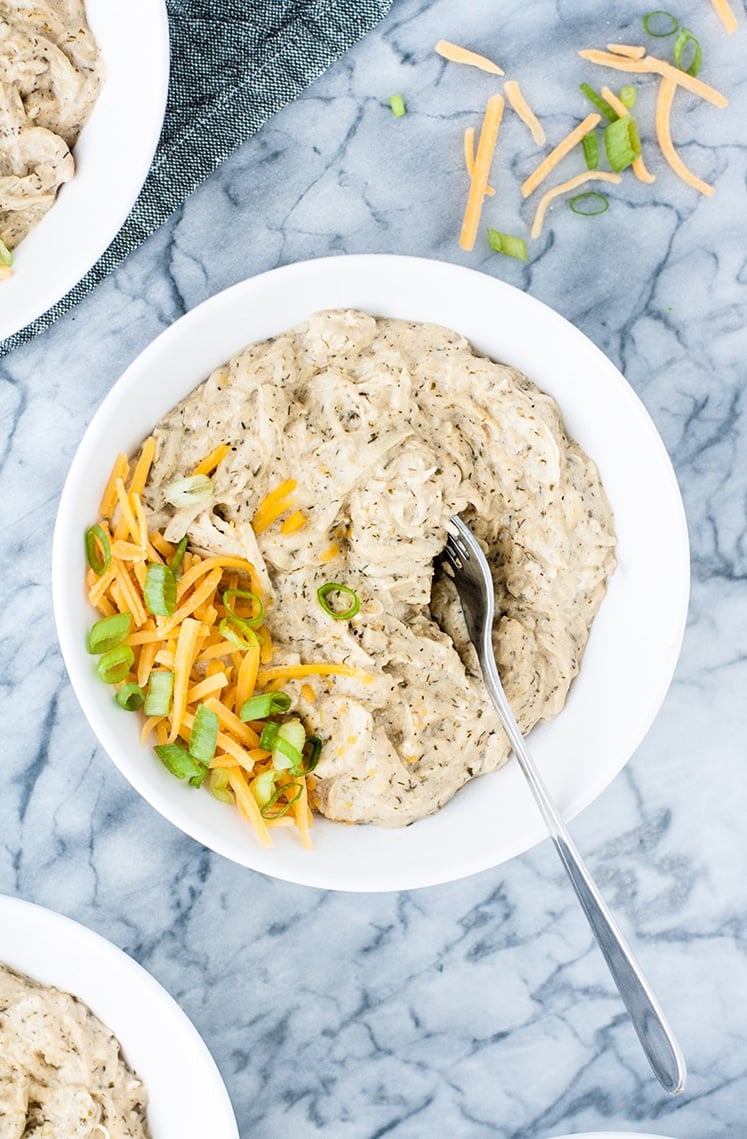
x: 474, y: 584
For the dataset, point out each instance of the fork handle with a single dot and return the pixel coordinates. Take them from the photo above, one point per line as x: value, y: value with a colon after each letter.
x: 654, y: 1033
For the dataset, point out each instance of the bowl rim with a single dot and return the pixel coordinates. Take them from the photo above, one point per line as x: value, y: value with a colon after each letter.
x: 155, y: 1033
x: 352, y: 274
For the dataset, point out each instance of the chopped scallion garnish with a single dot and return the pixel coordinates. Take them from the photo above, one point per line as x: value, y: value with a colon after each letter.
x: 160, y: 589
x: 175, y: 564
x: 130, y: 697
x: 98, y: 550
x: 660, y: 24
x: 218, y: 785
x: 204, y: 734
x: 267, y: 738
x: 285, y: 755
x: 628, y: 96
x: 180, y: 763
x: 603, y: 107
x: 158, y: 695
x: 242, y: 638
x: 254, y: 620
x: 109, y: 632
x: 505, y: 243
x: 590, y: 143
x: 334, y: 587
x: 589, y: 204
x: 114, y: 665
x: 6, y: 257
x: 267, y: 811
x: 263, y: 786
x: 191, y: 491
x: 397, y: 103
x: 685, y: 37
x: 621, y: 143
x: 267, y: 704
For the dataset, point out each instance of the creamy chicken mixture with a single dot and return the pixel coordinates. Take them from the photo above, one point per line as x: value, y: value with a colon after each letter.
x: 50, y: 74
x: 389, y: 428
x: 62, y: 1074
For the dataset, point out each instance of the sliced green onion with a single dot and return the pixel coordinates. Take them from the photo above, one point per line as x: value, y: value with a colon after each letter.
x: 158, y: 696
x: 218, y: 785
x: 98, y: 550
x: 628, y: 96
x: 660, y: 24
x: 109, y: 632
x: 6, y: 257
x: 285, y: 756
x: 621, y: 143
x: 160, y: 589
x: 204, y: 734
x: 268, y: 704
x: 287, y: 746
x: 603, y: 107
x: 175, y: 563
x: 241, y: 638
x: 130, y: 697
x: 267, y: 738
x: 397, y: 103
x: 505, y: 243
x: 334, y: 587
x: 114, y: 665
x: 256, y: 619
x: 180, y: 763
x: 190, y: 491
x: 263, y: 787
x: 268, y: 813
x: 311, y: 752
x: 590, y: 143
x: 685, y: 37
x: 589, y: 204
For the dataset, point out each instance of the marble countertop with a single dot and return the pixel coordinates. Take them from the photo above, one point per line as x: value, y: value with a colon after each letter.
x: 479, y: 1008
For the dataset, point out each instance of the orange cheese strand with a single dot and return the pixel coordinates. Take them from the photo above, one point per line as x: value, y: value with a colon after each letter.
x: 295, y: 521
x: 272, y: 505
x: 658, y: 67
x: 632, y: 51
x: 564, y: 187
x: 457, y: 54
x: 109, y: 497
x: 479, y: 181
x: 142, y: 467
x: 291, y: 671
x: 565, y: 146
x: 664, y: 101
x: 247, y: 804
x: 469, y: 156
x: 207, y: 465
x: 515, y: 97
x: 726, y: 15
x: 186, y: 650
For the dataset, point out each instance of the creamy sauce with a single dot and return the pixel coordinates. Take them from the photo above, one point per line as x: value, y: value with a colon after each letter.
x: 50, y: 74
x: 389, y: 428
x: 62, y: 1075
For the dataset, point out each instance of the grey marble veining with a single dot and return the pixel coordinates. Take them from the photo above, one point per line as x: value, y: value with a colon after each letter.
x: 480, y: 1008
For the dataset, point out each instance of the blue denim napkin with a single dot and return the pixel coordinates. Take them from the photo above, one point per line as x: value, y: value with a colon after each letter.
x: 233, y: 64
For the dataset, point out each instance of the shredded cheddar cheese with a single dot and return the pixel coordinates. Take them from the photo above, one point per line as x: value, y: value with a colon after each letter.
x: 207, y: 465
x: 559, y: 152
x: 725, y: 14
x: 273, y: 505
x: 515, y: 97
x: 632, y: 51
x: 656, y: 66
x: 565, y: 187
x: 469, y: 156
x: 479, y: 181
x: 457, y: 54
x: 664, y: 101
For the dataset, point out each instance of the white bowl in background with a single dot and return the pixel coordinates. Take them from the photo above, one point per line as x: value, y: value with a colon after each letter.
x: 635, y: 639
x: 112, y: 158
x: 158, y: 1040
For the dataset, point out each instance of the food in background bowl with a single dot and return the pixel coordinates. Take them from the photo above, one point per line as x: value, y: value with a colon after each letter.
x: 337, y: 453
x: 62, y: 1071
x: 50, y: 75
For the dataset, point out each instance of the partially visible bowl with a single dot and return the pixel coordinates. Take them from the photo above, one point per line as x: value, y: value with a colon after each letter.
x: 158, y: 1040
x: 635, y: 638
x: 112, y: 158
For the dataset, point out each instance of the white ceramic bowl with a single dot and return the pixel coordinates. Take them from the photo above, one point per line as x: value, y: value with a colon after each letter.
x: 158, y: 1040
x: 635, y: 639
x: 112, y: 158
